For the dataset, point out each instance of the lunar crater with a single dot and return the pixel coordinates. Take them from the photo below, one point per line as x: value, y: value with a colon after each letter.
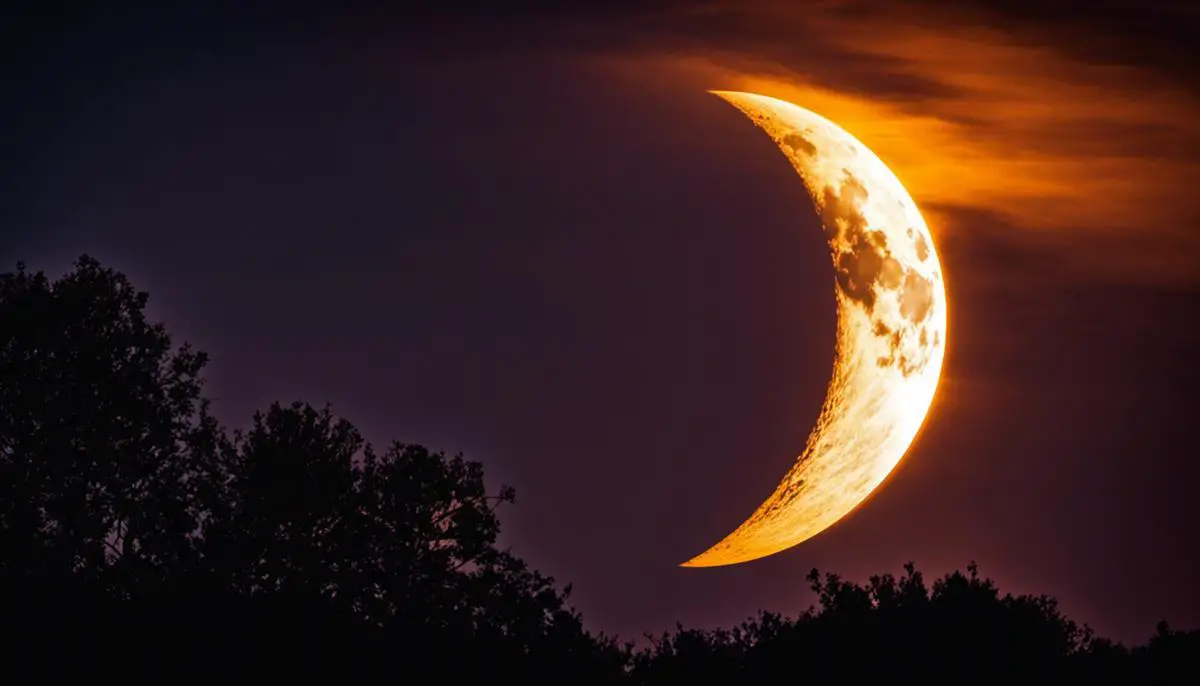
x: 799, y: 144
x: 867, y: 271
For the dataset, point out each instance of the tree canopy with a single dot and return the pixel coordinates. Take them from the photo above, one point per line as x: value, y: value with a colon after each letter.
x: 139, y: 536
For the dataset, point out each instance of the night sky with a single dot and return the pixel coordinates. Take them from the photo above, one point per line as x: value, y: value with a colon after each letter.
x: 534, y: 238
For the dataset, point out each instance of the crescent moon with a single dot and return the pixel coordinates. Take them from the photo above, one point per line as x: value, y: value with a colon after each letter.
x: 891, y: 332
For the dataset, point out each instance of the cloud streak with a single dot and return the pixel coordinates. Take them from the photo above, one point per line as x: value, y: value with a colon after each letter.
x: 1070, y: 147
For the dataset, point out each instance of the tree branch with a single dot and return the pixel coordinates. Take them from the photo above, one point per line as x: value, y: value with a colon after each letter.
x: 499, y: 500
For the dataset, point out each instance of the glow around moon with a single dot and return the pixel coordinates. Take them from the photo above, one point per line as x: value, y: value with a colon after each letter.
x: 891, y: 333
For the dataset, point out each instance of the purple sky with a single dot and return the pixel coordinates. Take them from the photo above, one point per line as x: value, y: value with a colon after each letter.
x: 613, y: 292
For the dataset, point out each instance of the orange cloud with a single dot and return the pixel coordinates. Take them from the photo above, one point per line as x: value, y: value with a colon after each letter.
x: 1098, y: 162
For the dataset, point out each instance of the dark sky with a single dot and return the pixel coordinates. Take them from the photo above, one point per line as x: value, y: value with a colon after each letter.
x: 532, y: 237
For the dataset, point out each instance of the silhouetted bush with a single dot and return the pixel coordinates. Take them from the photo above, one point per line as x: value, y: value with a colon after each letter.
x: 141, y: 540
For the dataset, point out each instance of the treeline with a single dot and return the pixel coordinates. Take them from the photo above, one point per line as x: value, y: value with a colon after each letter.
x: 140, y: 539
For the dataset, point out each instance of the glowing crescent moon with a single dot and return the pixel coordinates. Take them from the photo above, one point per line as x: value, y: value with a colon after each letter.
x: 891, y: 333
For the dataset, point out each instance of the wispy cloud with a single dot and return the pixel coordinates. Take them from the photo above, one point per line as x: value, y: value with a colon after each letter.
x: 1083, y: 151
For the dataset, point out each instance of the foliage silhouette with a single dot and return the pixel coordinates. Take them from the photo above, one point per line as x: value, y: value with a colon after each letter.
x: 139, y: 539
x: 105, y: 439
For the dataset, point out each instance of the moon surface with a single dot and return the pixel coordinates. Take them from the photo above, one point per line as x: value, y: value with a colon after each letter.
x: 891, y: 332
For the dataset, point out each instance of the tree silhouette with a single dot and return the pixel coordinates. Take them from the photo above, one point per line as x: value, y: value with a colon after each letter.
x: 137, y: 535
x: 118, y: 485
x: 958, y: 629
x: 104, y: 436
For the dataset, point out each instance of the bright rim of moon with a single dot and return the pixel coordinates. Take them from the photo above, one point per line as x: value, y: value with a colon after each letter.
x: 891, y: 333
